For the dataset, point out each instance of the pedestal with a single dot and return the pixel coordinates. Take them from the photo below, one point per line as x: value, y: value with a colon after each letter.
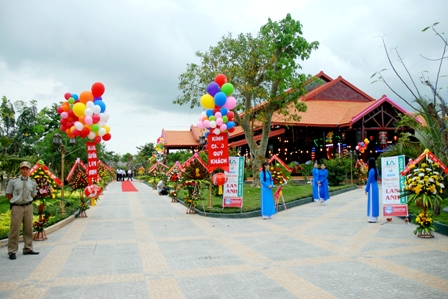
x: 82, y: 214
x: 425, y: 235
x: 40, y: 236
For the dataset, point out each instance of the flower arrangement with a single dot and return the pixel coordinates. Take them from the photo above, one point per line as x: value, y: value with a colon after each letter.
x: 193, y: 177
x: 279, y: 175
x: 424, y: 221
x: 362, y: 169
x: 424, y: 187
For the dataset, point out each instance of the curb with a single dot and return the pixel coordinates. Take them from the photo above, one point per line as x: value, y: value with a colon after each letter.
x: 48, y: 230
x: 256, y: 213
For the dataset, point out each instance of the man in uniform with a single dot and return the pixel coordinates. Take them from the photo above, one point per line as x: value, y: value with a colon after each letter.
x: 20, y: 192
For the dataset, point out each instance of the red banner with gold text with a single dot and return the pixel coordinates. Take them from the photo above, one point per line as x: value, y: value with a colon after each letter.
x: 218, y: 151
x: 92, y: 162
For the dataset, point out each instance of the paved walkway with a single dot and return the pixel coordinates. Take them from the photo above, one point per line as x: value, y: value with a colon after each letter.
x: 140, y: 245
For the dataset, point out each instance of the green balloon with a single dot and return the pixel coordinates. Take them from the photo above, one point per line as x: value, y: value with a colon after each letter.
x: 225, y: 119
x: 71, y: 100
x: 228, y: 89
x: 210, y: 118
x: 95, y: 128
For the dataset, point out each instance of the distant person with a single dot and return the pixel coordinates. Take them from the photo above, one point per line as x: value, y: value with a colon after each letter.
x: 129, y: 174
x: 323, y: 184
x: 267, y: 198
x: 161, y: 188
x: 314, y: 183
x: 118, y: 174
x: 373, y: 198
x: 20, y: 192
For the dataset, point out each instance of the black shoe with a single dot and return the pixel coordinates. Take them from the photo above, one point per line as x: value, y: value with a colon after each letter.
x: 12, y: 256
x: 31, y: 252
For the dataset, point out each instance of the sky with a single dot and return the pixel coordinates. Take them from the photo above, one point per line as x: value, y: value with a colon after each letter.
x: 139, y: 48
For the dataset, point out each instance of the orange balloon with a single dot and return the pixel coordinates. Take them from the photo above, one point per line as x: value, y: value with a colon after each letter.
x: 65, y: 108
x: 82, y: 119
x: 86, y: 96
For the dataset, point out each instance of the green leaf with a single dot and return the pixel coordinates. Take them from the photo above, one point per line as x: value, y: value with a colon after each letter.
x: 426, y: 29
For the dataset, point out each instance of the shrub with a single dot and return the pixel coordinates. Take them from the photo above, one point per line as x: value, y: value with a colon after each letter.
x: 337, y: 169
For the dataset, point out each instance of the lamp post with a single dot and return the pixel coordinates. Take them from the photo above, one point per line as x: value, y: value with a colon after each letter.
x: 57, y: 141
x: 351, y: 152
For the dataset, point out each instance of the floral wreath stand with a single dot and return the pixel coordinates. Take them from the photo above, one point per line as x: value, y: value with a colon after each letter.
x: 39, y: 234
x: 191, y: 208
x: 174, y: 196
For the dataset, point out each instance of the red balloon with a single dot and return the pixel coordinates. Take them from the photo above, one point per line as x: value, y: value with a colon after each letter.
x: 221, y: 79
x: 231, y: 130
x: 97, y: 89
x: 85, y: 131
x: 216, y: 110
x: 59, y: 110
x: 63, y: 128
x: 97, y: 139
x: 76, y: 132
x: 219, y: 179
x: 67, y: 95
x: 230, y: 115
x: 107, y: 137
x: 70, y: 113
x: 96, y: 118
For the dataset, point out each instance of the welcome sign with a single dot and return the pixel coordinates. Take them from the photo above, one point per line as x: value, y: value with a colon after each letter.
x: 233, y: 188
x: 392, y: 185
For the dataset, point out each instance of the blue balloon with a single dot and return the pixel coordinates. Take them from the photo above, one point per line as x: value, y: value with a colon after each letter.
x: 224, y: 111
x: 213, y: 88
x: 230, y: 124
x: 209, y: 113
x: 206, y: 134
x: 220, y: 99
x: 101, y: 104
x: 98, y: 99
x: 75, y: 96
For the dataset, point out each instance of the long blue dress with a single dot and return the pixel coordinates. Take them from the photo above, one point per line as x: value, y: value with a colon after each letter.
x: 373, y: 198
x: 323, y: 189
x: 315, y: 174
x: 267, y: 198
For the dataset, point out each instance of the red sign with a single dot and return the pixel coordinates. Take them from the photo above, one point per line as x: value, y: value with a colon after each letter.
x: 236, y: 202
x: 395, y: 210
x: 218, y: 152
x: 92, y: 162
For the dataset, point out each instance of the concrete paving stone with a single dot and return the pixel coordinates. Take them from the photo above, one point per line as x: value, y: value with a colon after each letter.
x: 109, y: 230
x: 432, y: 262
x: 140, y: 245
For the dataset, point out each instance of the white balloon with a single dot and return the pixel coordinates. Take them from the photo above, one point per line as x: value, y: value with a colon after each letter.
x: 212, y: 124
x: 78, y: 125
x: 203, y: 114
x: 91, y: 135
x: 102, y: 132
x: 90, y: 104
x: 88, y: 112
x: 96, y: 109
x: 217, y: 131
x: 101, y: 123
x: 106, y: 115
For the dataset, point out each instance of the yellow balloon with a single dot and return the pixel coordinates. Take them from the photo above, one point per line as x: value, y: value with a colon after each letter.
x: 78, y: 109
x: 207, y: 101
x: 107, y: 128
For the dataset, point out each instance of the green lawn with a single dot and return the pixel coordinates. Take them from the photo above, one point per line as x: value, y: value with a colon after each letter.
x: 251, y: 198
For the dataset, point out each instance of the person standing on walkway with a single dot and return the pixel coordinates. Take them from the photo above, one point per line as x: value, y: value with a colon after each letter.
x: 118, y: 174
x: 373, y: 198
x: 323, y: 184
x: 129, y: 174
x: 267, y: 199
x: 314, y: 183
x: 20, y: 192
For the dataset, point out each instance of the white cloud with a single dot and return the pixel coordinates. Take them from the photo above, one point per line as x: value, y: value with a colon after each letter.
x: 138, y: 49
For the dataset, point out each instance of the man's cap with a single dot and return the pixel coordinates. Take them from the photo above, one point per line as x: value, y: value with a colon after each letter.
x: 25, y: 164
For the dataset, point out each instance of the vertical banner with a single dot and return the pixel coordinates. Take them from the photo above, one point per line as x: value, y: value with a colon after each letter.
x: 233, y: 188
x: 218, y: 152
x: 392, y: 185
x: 92, y: 162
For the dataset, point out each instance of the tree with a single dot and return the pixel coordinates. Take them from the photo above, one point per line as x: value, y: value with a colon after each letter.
x: 264, y: 71
x: 433, y: 133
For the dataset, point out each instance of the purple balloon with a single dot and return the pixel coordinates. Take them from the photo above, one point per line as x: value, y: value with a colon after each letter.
x: 213, y: 88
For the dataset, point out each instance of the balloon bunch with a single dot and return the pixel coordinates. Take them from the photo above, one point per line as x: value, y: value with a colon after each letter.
x: 362, y: 146
x: 85, y: 115
x: 160, y: 146
x: 218, y: 102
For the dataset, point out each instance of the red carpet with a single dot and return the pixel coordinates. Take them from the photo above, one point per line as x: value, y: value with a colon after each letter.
x: 127, y: 186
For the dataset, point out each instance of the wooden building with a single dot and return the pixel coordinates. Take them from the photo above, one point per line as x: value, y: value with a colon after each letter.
x: 338, y: 117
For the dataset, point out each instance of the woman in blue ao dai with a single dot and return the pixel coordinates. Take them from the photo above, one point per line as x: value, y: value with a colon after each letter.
x: 373, y: 198
x: 267, y: 198
x: 323, y: 184
x: 314, y: 183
